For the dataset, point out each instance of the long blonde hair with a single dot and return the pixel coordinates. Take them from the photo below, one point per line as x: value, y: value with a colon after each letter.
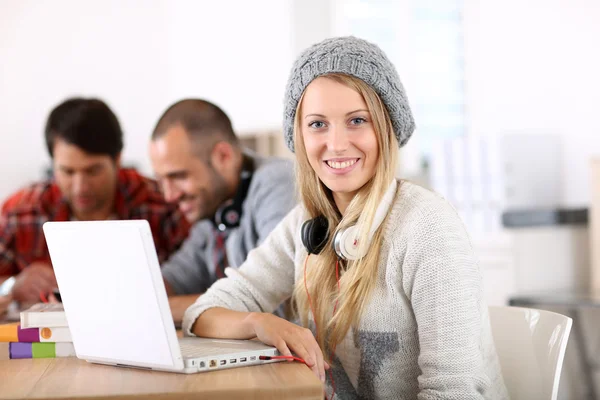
x: 360, y: 276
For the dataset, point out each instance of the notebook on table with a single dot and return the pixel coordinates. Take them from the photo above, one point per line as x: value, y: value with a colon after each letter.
x: 50, y: 315
x: 116, y: 304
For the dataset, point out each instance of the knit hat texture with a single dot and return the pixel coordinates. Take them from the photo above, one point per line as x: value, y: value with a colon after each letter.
x: 352, y: 56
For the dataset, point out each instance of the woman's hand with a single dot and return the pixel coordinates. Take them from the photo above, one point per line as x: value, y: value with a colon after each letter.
x: 289, y: 338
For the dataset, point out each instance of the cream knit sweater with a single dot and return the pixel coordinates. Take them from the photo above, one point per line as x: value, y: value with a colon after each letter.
x: 425, y: 333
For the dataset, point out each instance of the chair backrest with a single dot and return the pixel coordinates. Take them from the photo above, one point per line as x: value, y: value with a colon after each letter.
x: 531, y: 347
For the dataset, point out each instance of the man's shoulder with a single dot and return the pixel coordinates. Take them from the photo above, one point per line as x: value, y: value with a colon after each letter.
x: 274, y: 170
x: 272, y: 192
x: 140, y: 190
x: 34, y: 198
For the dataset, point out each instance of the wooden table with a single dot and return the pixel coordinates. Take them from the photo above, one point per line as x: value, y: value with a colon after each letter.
x: 71, y: 378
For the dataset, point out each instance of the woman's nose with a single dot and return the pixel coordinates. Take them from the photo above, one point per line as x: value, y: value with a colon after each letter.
x: 338, y: 139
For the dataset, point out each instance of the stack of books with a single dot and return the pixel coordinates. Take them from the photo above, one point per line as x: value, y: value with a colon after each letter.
x: 42, y: 333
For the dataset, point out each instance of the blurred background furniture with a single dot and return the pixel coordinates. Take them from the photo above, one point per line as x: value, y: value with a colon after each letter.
x: 531, y: 346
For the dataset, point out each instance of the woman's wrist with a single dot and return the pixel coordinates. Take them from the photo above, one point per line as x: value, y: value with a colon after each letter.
x: 251, y: 322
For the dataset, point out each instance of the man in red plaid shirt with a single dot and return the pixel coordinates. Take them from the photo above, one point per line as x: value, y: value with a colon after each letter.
x: 85, y: 140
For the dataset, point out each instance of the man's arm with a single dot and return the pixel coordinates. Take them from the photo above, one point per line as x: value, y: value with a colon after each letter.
x: 186, y: 272
x: 8, y: 265
x: 35, y: 279
x: 173, y: 231
x: 275, y: 197
x: 178, y: 304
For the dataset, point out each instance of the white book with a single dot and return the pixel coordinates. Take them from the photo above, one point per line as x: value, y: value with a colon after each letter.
x: 44, y: 315
x: 64, y: 350
x: 60, y: 334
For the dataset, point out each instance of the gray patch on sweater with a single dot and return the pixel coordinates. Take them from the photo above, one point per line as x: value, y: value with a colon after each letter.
x: 343, y: 387
x: 375, y: 347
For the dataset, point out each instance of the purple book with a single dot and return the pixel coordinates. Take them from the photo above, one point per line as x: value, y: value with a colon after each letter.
x: 20, y: 350
x: 28, y: 334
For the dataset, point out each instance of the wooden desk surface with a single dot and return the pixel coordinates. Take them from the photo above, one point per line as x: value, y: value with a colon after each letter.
x: 71, y: 378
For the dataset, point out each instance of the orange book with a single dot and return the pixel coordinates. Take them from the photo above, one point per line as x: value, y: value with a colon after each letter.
x: 14, y: 333
x: 9, y: 332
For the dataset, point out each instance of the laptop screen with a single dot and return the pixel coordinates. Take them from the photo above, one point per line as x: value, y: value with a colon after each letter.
x: 113, y: 293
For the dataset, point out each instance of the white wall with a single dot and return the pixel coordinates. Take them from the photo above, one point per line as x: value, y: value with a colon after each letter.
x: 139, y: 56
x: 236, y: 52
x: 311, y: 22
x: 51, y: 50
x: 534, y: 67
x: 531, y: 67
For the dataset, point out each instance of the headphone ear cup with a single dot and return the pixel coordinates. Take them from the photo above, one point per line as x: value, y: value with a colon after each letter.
x: 346, y: 245
x: 226, y: 216
x: 345, y: 241
x: 230, y: 215
x: 314, y: 234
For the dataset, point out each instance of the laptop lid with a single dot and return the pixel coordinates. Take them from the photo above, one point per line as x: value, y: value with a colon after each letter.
x: 113, y: 292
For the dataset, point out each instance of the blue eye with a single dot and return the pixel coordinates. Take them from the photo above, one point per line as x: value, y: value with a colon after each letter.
x: 358, y: 121
x: 317, y: 124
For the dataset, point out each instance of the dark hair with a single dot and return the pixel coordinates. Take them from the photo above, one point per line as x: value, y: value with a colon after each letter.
x: 86, y: 123
x: 201, y: 119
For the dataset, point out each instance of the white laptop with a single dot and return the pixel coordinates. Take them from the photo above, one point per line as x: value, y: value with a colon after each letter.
x: 116, y: 304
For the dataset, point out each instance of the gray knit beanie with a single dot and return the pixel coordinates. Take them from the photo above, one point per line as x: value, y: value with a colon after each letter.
x: 356, y: 57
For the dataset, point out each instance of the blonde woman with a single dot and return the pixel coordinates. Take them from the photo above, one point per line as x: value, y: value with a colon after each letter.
x: 381, y: 272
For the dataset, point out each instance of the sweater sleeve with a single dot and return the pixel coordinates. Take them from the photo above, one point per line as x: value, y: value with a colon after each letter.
x: 261, y: 283
x: 443, y: 282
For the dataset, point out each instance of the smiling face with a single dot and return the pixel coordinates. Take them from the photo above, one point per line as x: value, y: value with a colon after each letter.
x: 186, y: 179
x: 339, y: 137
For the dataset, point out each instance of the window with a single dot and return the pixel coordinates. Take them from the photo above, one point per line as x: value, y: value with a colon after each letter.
x: 424, y: 39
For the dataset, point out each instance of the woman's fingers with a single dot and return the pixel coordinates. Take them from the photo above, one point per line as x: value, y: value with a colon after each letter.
x: 281, y: 345
x: 303, y: 343
x: 288, y: 338
x: 300, y: 350
x: 316, y: 354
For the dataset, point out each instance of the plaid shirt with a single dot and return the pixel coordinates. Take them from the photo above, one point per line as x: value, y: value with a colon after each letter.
x: 22, y: 240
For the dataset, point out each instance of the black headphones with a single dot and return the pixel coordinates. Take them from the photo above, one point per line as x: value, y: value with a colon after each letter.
x: 230, y: 213
x: 315, y: 232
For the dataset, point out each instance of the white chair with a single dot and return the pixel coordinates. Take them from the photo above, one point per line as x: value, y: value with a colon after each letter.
x: 531, y: 347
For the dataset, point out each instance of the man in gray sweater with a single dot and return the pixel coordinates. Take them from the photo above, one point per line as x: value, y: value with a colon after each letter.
x: 233, y: 198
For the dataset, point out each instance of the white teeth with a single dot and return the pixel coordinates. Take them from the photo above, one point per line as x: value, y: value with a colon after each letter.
x: 341, y: 165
